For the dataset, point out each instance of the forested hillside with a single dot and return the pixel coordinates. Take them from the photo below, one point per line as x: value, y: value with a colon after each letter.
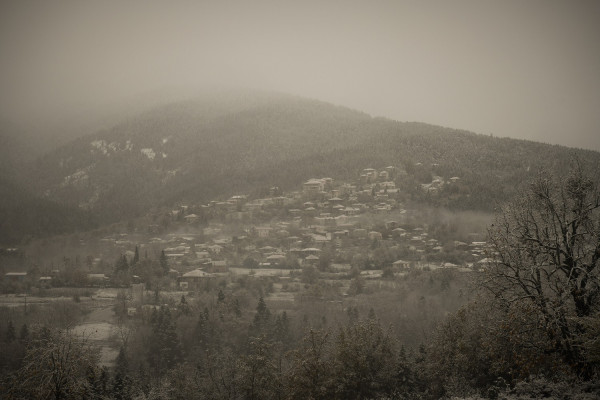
x: 245, y: 142
x: 24, y: 216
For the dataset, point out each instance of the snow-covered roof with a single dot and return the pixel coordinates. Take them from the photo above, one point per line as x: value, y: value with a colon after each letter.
x: 197, y: 273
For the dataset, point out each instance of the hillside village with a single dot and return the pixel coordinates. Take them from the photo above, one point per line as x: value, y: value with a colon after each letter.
x: 341, y: 231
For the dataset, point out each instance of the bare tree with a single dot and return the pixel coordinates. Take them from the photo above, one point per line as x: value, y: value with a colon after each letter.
x: 546, y: 251
x: 55, y: 367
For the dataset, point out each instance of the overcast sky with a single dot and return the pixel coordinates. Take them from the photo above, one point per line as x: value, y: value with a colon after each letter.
x: 528, y: 69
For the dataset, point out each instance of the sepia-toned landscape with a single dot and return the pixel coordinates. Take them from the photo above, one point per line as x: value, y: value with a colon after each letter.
x: 193, y: 233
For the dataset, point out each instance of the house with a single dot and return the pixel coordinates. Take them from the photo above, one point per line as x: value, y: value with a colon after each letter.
x: 215, y: 249
x: 341, y: 234
x: 310, y: 211
x: 351, y: 211
x: 175, y: 257
x: 372, y: 274
x: 381, y: 207
x: 253, y: 206
x: 224, y: 205
x: 191, y: 218
x: 215, y: 266
x: 368, y: 175
x: 310, y: 251
x: 313, y: 187
x: 279, y: 201
x: 448, y: 265
x: 347, y: 189
x: 263, y: 231
x: 335, y: 200
x: 149, y: 309
x: 97, y: 279
x: 311, y: 260
x: 239, y: 199
x: 45, y: 281
x: 320, y: 238
x: 484, y: 264
x: 325, y: 220
x: 391, y: 225
x: 359, y: 233
x: 460, y: 245
x: 373, y: 235
x: 267, y: 249
x: 15, y: 276
x: 194, y: 280
x: 416, y: 241
x: 276, y: 259
x: 401, y: 264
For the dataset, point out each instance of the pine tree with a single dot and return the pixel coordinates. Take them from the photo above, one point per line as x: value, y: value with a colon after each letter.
x: 164, y: 265
x: 121, y: 264
x: 154, y: 316
x: 352, y: 315
x: 201, y: 330
x: 220, y: 296
x: 364, y: 362
x: 405, y: 374
x: 121, y: 389
x: 282, y: 328
x: 262, y: 318
x: 10, y: 333
x: 24, y: 333
x: 164, y: 350
x: 372, y: 315
x: 93, y: 384
x: 258, y: 372
x: 122, y: 365
x: 103, y: 380
x: 183, y: 307
x: 136, y: 256
x: 310, y: 375
x: 236, y: 308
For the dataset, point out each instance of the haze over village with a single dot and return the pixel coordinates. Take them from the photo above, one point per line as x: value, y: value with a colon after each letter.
x: 326, y: 224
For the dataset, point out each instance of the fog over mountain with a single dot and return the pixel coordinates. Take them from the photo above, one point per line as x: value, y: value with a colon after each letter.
x: 511, y: 68
x: 231, y: 142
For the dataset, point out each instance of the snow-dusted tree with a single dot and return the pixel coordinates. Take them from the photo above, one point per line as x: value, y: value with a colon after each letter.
x: 55, y: 367
x: 164, y: 348
x: 545, y: 248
